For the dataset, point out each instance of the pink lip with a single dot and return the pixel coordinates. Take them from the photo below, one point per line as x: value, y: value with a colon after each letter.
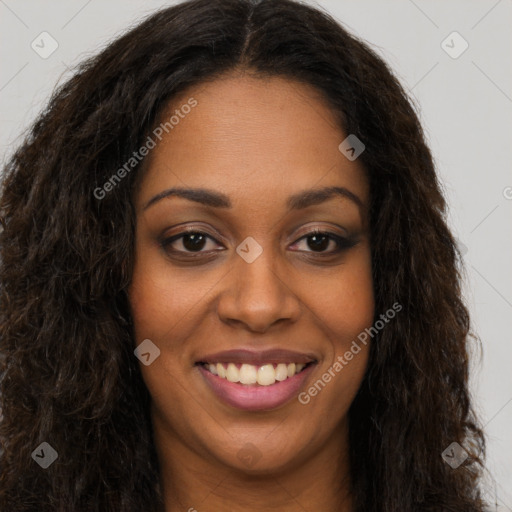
x: 255, y: 397
x: 258, y: 357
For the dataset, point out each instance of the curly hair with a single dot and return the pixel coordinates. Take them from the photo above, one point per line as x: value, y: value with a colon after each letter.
x: 68, y: 373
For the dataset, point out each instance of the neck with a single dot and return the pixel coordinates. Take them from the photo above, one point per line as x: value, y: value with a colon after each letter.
x: 191, y: 482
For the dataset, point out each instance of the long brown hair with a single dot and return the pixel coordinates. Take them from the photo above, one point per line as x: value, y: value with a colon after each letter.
x: 68, y: 373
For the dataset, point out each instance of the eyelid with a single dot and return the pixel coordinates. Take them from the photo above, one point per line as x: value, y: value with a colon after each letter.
x: 305, y: 230
x: 216, y: 236
x: 312, y: 229
x: 342, y: 242
x: 166, y: 240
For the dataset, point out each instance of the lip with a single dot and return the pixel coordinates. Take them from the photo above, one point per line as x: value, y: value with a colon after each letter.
x: 257, y: 358
x: 254, y: 397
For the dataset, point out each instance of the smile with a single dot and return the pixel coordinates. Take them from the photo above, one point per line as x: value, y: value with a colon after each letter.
x: 255, y: 375
x: 255, y: 380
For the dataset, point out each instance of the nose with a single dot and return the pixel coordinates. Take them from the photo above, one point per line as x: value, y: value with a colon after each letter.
x: 258, y: 295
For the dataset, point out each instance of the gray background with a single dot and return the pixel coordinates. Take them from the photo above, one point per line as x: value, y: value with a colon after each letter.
x: 465, y: 104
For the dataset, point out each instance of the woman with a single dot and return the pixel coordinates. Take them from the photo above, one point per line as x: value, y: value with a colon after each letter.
x: 227, y: 282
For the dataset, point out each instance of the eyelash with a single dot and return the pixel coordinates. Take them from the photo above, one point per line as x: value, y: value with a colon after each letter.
x: 342, y: 243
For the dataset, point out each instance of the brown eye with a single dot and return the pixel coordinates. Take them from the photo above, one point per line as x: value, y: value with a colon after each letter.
x: 190, y: 241
x: 318, y: 242
x: 194, y: 243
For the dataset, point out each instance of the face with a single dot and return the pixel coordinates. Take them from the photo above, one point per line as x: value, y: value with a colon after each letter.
x: 251, y: 283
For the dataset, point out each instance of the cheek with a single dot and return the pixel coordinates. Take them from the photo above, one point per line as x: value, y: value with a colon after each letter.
x: 168, y: 306
x: 343, y: 305
x: 161, y: 308
x: 164, y: 301
x: 154, y: 304
x: 354, y: 306
x: 169, y: 303
x: 345, y: 312
x: 161, y: 299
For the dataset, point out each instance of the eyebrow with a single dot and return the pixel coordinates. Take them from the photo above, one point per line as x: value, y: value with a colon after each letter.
x: 298, y: 201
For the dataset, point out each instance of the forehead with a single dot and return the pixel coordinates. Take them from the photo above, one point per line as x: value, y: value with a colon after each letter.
x: 255, y: 139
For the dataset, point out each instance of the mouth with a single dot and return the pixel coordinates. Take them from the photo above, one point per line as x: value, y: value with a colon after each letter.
x: 255, y: 375
x: 256, y: 381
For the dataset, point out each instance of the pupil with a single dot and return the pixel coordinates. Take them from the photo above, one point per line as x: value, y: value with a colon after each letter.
x: 193, y: 241
x: 319, y: 244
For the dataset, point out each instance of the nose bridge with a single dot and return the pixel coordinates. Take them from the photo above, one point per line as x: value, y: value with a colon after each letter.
x: 257, y: 269
x: 258, y: 293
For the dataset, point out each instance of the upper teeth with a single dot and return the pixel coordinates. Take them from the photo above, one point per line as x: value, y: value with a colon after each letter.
x: 264, y: 375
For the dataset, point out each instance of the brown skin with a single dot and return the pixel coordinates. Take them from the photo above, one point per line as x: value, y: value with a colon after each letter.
x: 258, y: 141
